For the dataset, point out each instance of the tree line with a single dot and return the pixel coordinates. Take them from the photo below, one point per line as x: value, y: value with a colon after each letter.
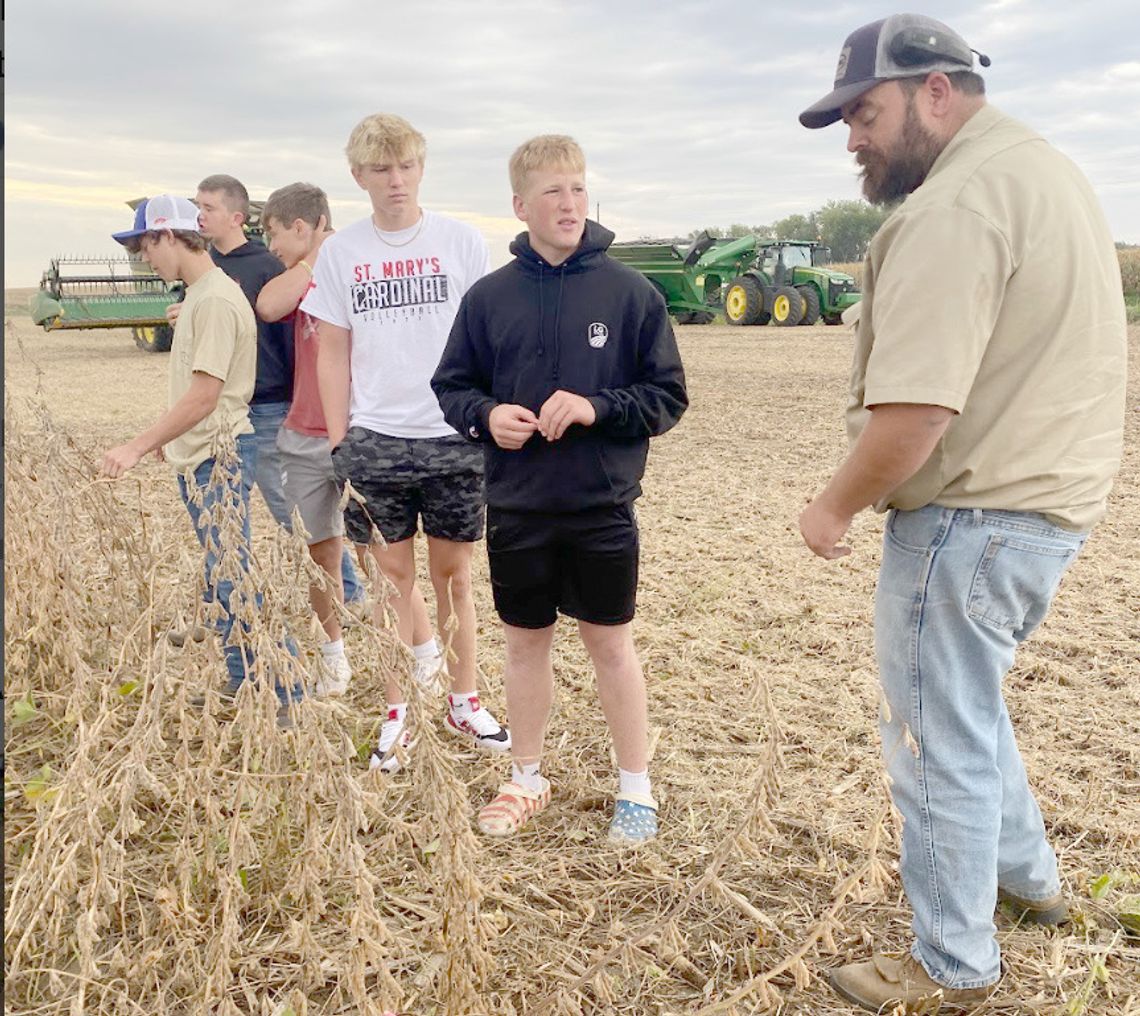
x: 844, y: 226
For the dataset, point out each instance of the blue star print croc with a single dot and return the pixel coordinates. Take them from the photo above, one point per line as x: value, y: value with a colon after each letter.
x: 634, y: 821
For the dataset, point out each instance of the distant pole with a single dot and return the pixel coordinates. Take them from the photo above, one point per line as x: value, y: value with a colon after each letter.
x: 598, y: 212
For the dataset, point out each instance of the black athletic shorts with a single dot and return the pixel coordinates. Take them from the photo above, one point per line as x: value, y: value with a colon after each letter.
x: 583, y: 564
x: 403, y: 479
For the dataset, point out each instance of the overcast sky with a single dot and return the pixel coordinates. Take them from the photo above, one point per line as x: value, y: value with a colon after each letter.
x: 686, y: 110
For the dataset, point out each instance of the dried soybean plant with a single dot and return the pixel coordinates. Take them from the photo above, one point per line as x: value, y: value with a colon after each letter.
x: 437, y: 822
x: 458, y: 937
x: 166, y: 855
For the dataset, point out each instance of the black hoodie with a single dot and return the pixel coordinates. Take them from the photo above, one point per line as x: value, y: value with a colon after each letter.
x: 590, y: 326
x: 251, y: 266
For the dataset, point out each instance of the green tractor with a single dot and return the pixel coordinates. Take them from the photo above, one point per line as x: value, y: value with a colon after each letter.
x: 787, y: 284
x: 752, y: 279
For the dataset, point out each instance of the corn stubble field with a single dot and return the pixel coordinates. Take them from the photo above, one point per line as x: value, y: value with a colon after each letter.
x: 163, y: 859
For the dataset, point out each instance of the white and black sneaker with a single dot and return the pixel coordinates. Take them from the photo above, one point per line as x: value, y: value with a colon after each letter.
x: 481, y: 727
x: 392, y: 737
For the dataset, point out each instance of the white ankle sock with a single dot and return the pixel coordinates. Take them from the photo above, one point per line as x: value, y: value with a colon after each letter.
x: 526, y: 775
x: 463, y: 704
x: 428, y: 650
x: 332, y: 650
x: 634, y: 783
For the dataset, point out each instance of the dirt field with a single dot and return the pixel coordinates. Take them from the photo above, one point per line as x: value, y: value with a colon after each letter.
x: 131, y: 820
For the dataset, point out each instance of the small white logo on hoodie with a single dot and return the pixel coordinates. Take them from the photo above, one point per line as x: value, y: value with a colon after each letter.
x: 597, y: 334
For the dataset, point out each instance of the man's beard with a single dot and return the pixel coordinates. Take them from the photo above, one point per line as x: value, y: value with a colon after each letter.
x: 887, y: 178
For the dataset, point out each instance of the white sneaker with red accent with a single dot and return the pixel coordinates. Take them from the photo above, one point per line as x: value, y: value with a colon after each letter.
x: 392, y: 742
x: 479, y: 726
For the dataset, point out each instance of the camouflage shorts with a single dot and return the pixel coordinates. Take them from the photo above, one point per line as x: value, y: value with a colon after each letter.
x: 403, y: 479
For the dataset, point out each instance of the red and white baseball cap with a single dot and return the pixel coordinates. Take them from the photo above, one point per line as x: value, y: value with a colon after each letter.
x: 162, y: 212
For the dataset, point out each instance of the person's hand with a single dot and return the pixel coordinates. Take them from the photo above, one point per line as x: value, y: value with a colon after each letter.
x: 336, y: 434
x: 119, y: 461
x: 561, y: 410
x: 511, y: 426
x: 172, y: 313
x: 822, y: 529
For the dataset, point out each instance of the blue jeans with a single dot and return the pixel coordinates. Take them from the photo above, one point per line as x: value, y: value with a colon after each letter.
x: 239, y: 659
x: 958, y: 591
x: 267, y: 418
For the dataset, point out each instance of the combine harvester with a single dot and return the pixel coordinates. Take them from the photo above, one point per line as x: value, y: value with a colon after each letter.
x: 752, y: 280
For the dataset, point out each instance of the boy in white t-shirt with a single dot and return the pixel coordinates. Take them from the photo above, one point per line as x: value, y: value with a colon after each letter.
x: 385, y: 291
x: 297, y: 221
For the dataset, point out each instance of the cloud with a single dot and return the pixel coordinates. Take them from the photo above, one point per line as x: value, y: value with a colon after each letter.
x: 687, y: 112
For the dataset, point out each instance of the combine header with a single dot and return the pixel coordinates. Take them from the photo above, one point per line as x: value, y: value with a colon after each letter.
x: 115, y: 292
x: 110, y: 292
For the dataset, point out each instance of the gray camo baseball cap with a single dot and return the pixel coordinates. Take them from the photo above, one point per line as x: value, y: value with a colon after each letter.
x: 900, y: 46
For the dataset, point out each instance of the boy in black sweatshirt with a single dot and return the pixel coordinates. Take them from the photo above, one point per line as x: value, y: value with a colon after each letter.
x: 223, y: 209
x: 563, y: 363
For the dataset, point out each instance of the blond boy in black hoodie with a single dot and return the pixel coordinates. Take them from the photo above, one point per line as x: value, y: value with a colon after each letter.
x: 563, y: 363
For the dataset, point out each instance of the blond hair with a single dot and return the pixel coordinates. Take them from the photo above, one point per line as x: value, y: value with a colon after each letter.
x: 546, y: 150
x: 382, y: 137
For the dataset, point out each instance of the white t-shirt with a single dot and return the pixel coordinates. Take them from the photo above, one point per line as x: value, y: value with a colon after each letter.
x: 397, y: 293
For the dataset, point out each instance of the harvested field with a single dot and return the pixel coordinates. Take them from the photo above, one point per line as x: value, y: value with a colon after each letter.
x: 167, y: 860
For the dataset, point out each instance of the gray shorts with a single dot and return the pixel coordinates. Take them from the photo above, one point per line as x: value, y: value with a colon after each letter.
x: 310, y: 483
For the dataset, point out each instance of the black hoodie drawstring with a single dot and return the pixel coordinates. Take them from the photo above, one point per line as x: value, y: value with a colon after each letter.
x: 595, y: 240
x: 541, y: 313
x: 558, y: 318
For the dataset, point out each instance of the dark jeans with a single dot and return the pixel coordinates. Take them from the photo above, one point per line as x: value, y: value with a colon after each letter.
x: 203, y: 516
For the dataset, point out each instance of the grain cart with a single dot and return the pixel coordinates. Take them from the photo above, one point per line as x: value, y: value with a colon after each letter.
x: 115, y: 292
x: 692, y: 295
x: 754, y: 280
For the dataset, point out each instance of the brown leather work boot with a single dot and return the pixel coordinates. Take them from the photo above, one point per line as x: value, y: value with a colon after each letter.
x: 1052, y: 910
x: 885, y: 981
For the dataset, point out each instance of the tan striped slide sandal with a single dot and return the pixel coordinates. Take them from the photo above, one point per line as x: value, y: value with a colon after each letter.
x: 512, y: 809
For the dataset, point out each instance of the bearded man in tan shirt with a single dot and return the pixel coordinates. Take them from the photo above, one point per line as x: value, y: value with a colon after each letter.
x: 986, y: 418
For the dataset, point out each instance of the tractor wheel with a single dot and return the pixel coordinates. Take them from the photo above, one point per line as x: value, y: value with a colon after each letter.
x: 787, y: 306
x: 154, y: 339
x: 744, y: 301
x: 695, y: 317
x: 811, y: 304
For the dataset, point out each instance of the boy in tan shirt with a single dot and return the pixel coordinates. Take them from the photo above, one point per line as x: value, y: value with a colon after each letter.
x: 212, y: 367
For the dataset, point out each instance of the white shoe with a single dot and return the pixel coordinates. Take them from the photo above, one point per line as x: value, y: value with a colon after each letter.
x: 392, y: 737
x: 425, y: 670
x: 332, y: 677
x: 480, y: 727
x: 356, y: 611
